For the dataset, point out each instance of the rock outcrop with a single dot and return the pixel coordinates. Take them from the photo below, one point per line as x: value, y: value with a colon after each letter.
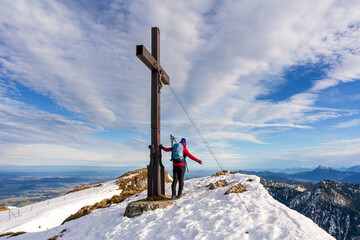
x: 137, y: 208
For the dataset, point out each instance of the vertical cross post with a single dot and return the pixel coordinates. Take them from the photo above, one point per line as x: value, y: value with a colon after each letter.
x: 156, y: 170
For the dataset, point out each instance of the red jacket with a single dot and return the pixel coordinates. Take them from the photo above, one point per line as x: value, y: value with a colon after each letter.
x: 185, y: 153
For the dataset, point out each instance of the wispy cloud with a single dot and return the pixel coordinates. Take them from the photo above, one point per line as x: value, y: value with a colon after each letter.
x: 232, y: 136
x: 348, y: 124
x: 344, y: 152
x: 221, y: 56
x: 344, y: 72
x: 50, y: 154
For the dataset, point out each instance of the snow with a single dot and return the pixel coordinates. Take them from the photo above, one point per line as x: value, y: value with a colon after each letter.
x: 321, y: 167
x: 200, y: 214
x: 49, y: 214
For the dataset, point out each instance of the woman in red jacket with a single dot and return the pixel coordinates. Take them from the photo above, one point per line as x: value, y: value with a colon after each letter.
x: 179, y: 168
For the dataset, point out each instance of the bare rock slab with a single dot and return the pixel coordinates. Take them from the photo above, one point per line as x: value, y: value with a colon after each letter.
x: 137, y: 208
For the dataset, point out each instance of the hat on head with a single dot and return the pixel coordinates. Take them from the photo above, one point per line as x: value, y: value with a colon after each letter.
x: 183, y: 140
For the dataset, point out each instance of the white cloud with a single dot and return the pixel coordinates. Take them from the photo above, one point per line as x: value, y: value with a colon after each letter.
x: 86, y: 65
x: 348, y: 124
x: 50, y: 154
x: 346, y: 71
x: 232, y: 136
x: 23, y: 124
x: 221, y: 56
x: 344, y: 152
x: 29, y: 136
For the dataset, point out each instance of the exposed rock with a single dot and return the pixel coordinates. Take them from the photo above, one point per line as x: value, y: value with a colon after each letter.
x: 223, y: 173
x: 84, y: 187
x: 238, y: 188
x: 137, y: 208
x: 219, y: 183
x: 249, y: 180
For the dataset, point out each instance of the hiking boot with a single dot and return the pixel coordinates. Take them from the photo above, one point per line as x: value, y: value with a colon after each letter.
x: 179, y: 196
x: 173, y: 197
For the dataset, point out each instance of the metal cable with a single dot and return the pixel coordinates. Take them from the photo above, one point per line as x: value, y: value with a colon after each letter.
x: 205, y: 141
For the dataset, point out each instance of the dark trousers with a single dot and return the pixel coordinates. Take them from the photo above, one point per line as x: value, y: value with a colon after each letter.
x: 178, y: 173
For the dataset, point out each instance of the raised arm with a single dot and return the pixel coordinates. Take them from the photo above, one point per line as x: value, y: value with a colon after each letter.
x: 187, y: 153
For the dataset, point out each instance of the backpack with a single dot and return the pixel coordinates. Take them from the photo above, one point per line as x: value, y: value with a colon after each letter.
x: 177, y: 153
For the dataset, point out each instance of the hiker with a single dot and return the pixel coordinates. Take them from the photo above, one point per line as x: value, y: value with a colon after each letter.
x: 178, y: 155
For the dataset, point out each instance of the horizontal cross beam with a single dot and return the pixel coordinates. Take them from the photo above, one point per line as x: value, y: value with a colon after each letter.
x: 145, y: 56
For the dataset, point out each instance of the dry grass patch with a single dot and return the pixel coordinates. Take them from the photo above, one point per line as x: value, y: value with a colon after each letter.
x: 219, y: 183
x: 136, y: 180
x: 158, y: 198
x: 223, y: 173
x: 4, y: 208
x: 103, y: 204
x: 131, y: 183
x: 218, y: 174
x: 238, y: 188
x: 60, y: 235
x: 84, y: 187
x: 11, y: 234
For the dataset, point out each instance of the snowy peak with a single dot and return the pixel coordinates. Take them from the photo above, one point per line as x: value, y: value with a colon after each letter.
x: 321, y: 173
x: 322, y: 168
x: 204, y: 212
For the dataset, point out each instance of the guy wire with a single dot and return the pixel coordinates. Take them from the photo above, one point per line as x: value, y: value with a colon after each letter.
x: 204, y: 140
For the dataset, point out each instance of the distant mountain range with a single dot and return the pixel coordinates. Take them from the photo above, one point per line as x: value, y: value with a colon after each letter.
x: 350, y: 175
x: 332, y: 205
x: 354, y: 169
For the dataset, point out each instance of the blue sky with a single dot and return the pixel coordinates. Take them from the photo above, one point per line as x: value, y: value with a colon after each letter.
x: 270, y: 84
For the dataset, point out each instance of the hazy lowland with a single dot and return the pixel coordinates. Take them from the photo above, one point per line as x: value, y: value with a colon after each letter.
x: 20, y: 186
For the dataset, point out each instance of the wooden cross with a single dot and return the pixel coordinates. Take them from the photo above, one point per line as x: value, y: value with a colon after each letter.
x: 156, y: 170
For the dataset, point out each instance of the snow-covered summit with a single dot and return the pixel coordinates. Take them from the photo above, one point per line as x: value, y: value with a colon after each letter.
x: 201, y: 214
x: 323, y: 168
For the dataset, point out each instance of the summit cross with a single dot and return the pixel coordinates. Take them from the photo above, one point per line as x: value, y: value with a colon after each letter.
x: 156, y: 170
